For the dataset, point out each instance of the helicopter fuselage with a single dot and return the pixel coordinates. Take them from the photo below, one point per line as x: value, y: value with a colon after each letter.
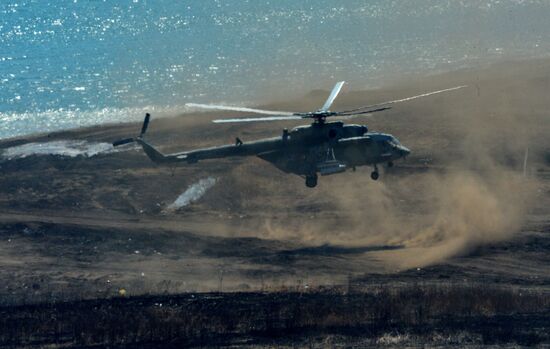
x: 330, y: 148
x: 320, y: 148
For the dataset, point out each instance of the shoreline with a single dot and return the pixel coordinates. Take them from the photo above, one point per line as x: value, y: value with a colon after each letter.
x: 406, y: 80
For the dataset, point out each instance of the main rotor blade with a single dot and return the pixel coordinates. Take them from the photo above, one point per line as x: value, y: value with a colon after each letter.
x: 241, y: 109
x: 267, y: 118
x: 368, y: 111
x: 361, y: 112
x: 333, y: 95
x: 352, y: 111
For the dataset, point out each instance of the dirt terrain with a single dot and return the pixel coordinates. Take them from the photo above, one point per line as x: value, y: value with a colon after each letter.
x: 470, y: 205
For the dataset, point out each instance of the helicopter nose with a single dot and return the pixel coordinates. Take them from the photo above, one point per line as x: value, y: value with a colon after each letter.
x: 404, y: 151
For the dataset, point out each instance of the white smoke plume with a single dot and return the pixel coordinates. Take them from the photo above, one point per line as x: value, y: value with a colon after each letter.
x: 193, y: 193
x: 68, y: 148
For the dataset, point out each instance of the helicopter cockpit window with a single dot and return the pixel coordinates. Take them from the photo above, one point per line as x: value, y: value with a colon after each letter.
x: 394, y: 142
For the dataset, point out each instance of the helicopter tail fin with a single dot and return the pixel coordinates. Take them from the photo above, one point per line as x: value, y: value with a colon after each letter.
x: 152, y: 152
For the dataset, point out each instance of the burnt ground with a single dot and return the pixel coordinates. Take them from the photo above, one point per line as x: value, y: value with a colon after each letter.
x: 447, y: 315
x: 457, y: 218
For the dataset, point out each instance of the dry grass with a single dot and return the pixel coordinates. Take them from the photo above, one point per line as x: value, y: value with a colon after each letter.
x: 496, y: 315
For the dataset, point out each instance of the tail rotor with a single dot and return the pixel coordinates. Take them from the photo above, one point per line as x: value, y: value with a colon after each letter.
x: 123, y: 141
x: 141, y: 134
x: 145, y: 125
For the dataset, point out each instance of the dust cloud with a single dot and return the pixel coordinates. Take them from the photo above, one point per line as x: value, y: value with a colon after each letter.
x: 432, y: 216
x: 469, y: 210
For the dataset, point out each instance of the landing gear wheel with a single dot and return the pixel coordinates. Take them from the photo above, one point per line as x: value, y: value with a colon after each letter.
x: 374, y: 175
x: 390, y: 164
x: 311, y: 181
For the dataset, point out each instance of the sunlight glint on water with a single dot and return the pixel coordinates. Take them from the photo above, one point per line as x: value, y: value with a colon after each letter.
x: 68, y: 64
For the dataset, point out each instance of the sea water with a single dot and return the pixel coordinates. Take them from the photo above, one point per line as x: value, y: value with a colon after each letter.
x: 72, y: 63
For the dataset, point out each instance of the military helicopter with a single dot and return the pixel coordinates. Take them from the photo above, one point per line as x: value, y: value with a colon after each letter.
x: 321, y: 148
